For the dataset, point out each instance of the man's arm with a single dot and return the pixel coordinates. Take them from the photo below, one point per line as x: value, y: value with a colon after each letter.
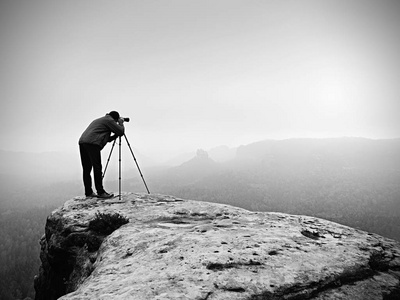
x: 112, y: 138
x: 117, y: 128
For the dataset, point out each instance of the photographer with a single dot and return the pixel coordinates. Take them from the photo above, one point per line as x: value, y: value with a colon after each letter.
x: 91, y: 142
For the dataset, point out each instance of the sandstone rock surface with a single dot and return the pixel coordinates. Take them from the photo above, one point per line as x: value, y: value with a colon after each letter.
x: 182, y: 249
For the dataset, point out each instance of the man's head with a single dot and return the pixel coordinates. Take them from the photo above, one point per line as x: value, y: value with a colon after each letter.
x: 114, y: 115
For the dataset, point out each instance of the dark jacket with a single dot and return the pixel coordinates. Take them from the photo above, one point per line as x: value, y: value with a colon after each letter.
x: 99, y: 131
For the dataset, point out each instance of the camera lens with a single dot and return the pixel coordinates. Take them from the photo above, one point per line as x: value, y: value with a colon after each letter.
x: 126, y: 119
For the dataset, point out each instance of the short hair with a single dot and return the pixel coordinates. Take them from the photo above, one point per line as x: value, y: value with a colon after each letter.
x: 114, y: 114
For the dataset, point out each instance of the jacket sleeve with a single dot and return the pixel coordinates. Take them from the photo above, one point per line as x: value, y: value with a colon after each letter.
x: 116, y: 128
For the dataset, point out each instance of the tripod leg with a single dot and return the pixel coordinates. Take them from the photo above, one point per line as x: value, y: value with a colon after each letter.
x: 134, y: 158
x: 108, y: 160
x: 119, y: 168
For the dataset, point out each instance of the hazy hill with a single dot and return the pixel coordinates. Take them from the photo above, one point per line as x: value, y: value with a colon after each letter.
x: 342, y: 152
x: 218, y: 154
x: 194, y: 169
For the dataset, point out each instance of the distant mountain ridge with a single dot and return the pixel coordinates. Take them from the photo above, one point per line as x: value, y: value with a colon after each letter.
x: 350, y: 149
x: 345, y: 153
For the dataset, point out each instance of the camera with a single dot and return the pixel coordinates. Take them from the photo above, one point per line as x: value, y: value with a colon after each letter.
x: 125, y: 119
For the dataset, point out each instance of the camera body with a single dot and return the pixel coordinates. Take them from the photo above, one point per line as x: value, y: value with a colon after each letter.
x: 125, y: 119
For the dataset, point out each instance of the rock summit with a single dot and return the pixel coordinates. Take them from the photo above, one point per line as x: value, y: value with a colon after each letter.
x: 172, y: 248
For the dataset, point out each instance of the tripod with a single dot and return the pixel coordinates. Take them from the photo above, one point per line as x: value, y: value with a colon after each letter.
x: 119, y: 165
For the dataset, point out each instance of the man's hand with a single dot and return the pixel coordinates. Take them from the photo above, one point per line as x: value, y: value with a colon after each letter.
x: 113, y: 137
x: 121, y: 121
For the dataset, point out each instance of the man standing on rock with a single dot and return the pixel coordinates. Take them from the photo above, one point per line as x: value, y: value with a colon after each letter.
x: 91, y: 142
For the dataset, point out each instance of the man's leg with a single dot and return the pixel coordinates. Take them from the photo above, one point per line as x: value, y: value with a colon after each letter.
x: 95, y: 157
x: 87, y: 168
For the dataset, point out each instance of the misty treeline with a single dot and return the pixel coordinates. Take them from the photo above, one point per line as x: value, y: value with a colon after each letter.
x: 28, y: 197
x: 351, y: 181
x: 19, y: 251
x: 23, y: 213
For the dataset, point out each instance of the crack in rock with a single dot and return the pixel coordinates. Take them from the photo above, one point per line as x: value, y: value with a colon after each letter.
x: 230, y: 265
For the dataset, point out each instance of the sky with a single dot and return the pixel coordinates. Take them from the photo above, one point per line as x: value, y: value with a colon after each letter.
x: 196, y: 74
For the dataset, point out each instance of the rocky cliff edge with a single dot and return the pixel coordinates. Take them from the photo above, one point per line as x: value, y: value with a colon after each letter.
x: 181, y: 249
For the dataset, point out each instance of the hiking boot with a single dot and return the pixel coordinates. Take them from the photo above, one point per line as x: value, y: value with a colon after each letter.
x: 105, y: 195
x: 92, y: 195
